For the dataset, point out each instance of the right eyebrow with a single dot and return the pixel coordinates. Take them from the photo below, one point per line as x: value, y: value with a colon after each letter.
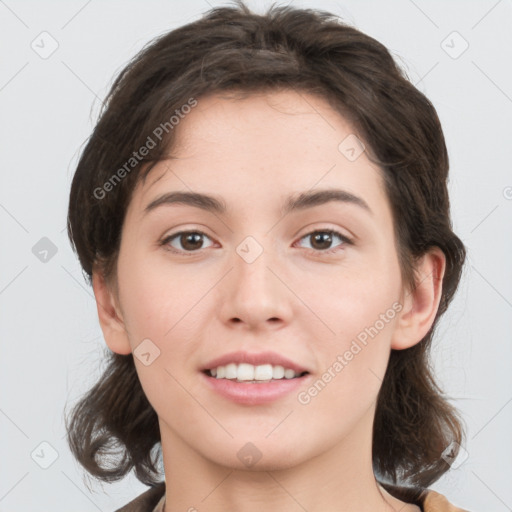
x: 203, y: 201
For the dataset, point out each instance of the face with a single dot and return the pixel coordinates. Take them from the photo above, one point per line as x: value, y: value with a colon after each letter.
x: 267, y: 278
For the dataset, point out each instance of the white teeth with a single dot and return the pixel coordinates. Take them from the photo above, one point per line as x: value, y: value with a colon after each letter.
x: 248, y: 372
x: 277, y: 372
x: 289, y: 374
x: 230, y: 371
x: 263, y: 372
x: 244, y: 372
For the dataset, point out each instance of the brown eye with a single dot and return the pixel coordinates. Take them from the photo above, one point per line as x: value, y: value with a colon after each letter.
x: 191, y: 241
x: 322, y: 240
x: 187, y: 241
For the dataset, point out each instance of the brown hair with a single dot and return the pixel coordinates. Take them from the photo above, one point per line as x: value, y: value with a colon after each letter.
x: 233, y: 49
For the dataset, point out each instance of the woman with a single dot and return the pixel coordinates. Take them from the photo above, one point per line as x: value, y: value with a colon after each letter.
x: 262, y: 212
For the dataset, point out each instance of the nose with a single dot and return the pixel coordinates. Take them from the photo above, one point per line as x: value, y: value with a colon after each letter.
x: 255, y: 295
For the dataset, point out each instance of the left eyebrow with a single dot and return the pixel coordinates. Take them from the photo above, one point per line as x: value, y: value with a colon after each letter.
x: 217, y: 205
x: 319, y: 197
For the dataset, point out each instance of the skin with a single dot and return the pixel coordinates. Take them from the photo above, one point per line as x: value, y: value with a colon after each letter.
x: 293, y: 299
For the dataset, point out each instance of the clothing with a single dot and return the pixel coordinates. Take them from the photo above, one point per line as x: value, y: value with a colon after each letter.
x: 153, y: 501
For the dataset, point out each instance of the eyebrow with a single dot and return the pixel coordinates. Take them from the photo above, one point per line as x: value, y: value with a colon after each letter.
x: 293, y: 203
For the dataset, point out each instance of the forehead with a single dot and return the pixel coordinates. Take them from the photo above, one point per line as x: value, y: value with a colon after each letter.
x: 261, y: 144
x: 266, y: 124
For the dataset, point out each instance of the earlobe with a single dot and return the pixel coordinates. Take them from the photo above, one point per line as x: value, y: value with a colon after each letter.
x: 111, y: 322
x: 420, y: 305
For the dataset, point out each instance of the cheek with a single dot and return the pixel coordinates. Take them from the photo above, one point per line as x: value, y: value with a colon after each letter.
x: 163, y: 305
x: 352, y: 300
x: 156, y: 297
x: 361, y: 310
x: 340, y: 397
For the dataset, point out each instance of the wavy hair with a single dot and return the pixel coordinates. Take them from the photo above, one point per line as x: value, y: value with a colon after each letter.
x: 232, y: 49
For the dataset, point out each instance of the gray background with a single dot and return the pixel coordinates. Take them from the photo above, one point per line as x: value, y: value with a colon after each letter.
x: 51, y: 343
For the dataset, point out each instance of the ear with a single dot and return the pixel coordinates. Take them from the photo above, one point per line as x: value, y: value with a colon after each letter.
x: 420, y: 305
x: 109, y: 314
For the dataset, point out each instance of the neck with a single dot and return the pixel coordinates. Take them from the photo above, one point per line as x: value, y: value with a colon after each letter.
x: 339, y: 479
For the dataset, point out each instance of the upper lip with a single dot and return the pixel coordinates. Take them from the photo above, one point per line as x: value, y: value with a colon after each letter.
x: 255, y: 359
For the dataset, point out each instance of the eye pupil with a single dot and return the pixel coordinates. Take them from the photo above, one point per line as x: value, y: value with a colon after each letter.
x: 325, y: 239
x: 196, y: 241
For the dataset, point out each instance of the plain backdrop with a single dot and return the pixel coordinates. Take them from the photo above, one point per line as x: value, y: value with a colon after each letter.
x: 56, y: 64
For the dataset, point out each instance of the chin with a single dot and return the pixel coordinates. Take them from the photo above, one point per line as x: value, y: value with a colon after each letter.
x: 258, y: 455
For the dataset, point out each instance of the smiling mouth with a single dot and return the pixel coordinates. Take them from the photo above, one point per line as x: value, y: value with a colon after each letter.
x: 251, y: 374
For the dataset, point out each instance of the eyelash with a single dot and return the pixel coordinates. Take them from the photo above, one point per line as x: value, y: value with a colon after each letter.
x: 315, y: 252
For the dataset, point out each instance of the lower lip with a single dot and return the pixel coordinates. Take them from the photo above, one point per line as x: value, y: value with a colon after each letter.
x: 253, y: 393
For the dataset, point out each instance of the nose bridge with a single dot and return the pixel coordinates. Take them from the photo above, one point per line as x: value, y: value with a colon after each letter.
x: 253, y: 277
x: 255, y: 293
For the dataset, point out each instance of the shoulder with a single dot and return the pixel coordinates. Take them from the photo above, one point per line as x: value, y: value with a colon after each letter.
x: 145, y: 502
x: 431, y: 501
x: 424, y: 499
x: 435, y: 502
